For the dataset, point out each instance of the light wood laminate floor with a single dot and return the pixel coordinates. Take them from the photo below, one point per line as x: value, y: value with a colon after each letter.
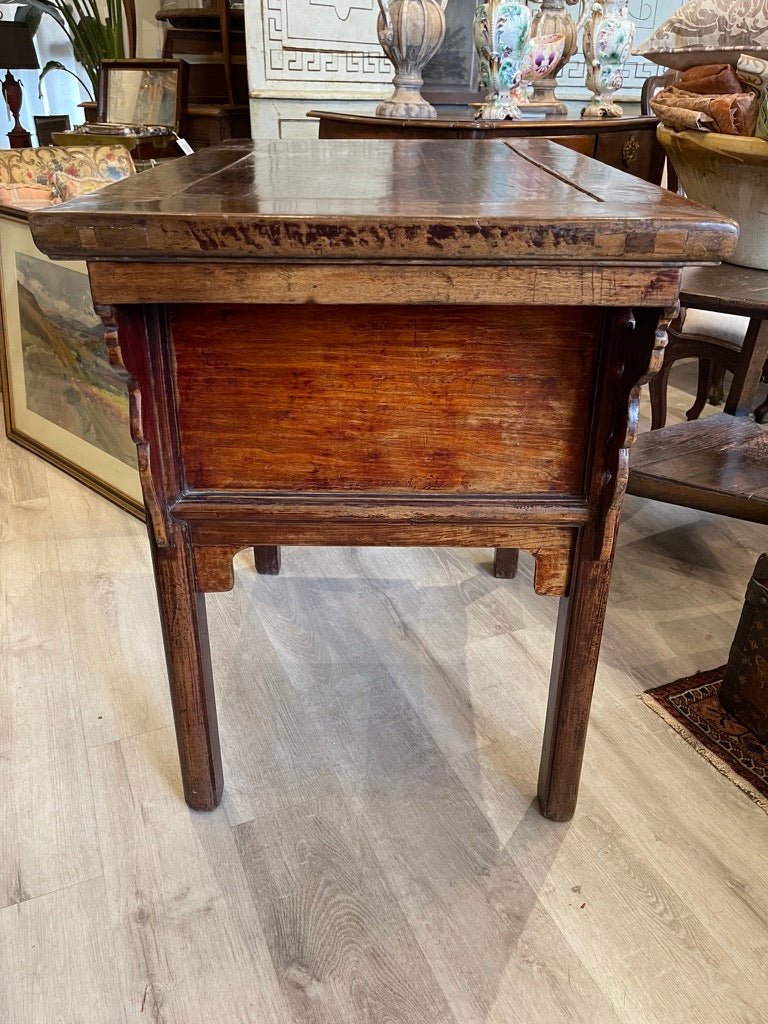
x: 378, y: 858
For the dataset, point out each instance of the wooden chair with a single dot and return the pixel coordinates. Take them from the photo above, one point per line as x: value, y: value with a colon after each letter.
x: 718, y: 464
x: 652, y: 85
x: 716, y: 347
x: 718, y: 342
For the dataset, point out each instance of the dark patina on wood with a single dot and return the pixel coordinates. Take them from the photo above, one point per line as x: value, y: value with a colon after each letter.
x: 401, y: 343
x: 744, y: 690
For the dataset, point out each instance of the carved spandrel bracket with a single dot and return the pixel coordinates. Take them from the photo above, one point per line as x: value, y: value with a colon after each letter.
x: 155, y: 512
x: 631, y: 367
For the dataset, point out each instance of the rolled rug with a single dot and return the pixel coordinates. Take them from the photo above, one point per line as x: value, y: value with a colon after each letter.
x: 753, y: 71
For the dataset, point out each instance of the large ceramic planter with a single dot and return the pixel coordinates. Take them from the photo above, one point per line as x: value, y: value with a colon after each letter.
x: 728, y: 173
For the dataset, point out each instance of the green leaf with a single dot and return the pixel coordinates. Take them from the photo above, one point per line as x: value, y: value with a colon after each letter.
x: 55, y: 65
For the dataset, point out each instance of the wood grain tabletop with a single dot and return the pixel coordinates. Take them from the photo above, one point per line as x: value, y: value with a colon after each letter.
x: 439, y: 201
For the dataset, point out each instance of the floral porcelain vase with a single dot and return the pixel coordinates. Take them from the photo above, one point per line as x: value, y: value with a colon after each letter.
x: 501, y: 31
x: 607, y: 42
x: 552, y: 19
x: 410, y: 32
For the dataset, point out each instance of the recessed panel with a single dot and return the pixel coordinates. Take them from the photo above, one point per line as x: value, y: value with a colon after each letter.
x: 396, y: 399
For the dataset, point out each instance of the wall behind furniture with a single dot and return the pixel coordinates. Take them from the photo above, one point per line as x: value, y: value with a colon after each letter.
x: 308, y: 53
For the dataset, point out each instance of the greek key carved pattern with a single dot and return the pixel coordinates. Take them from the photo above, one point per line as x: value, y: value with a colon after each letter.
x: 285, y: 59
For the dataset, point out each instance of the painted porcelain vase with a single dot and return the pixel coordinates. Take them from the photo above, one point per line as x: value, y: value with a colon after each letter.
x: 501, y: 31
x: 410, y: 32
x: 607, y: 42
x: 552, y: 19
x: 541, y: 56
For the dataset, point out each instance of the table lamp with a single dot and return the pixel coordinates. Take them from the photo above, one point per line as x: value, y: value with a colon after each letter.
x: 17, y: 51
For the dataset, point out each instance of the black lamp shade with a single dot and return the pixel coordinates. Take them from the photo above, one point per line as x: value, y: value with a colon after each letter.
x: 17, y: 51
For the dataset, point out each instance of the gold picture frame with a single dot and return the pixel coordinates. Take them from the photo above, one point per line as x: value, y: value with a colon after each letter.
x: 61, y: 398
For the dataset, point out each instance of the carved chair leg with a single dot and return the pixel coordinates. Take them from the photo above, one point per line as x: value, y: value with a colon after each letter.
x: 505, y: 563
x: 267, y: 559
x: 185, y: 635
x: 702, y: 389
x: 716, y: 394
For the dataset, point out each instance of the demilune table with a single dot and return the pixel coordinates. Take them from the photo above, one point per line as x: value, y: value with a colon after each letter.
x: 386, y: 343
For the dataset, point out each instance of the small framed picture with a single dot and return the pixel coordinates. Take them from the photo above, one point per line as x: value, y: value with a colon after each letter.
x: 142, y: 92
x: 47, y: 124
x: 61, y: 397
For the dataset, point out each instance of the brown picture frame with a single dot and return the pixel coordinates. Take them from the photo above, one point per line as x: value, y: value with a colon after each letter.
x: 35, y: 347
x: 47, y: 124
x: 159, y: 108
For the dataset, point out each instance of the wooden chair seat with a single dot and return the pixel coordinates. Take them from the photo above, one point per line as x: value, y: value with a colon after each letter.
x: 719, y: 342
x: 718, y: 464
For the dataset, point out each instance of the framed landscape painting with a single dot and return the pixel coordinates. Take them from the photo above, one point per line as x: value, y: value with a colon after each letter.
x: 61, y: 397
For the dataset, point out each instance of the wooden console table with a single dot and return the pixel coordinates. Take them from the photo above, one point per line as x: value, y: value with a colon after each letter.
x: 627, y: 143
x: 399, y: 343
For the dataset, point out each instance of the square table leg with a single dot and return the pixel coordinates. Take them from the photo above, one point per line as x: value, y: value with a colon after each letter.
x: 266, y: 558
x: 574, y: 666
x: 187, y: 652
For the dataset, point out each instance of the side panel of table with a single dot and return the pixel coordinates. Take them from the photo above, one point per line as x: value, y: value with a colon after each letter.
x: 398, y: 425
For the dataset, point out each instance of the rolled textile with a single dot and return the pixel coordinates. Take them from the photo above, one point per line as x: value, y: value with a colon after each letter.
x: 710, y: 79
x: 682, y: 120
x: 733, y: 114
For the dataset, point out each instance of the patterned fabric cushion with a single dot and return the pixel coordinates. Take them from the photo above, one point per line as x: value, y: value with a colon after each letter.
x: 68, y: 187
x: 28, y: 197
x: 40, y: 166
x: 709, y: 32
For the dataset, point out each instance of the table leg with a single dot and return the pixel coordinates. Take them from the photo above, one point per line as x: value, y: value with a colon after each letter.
x: 187, y: 653
x: 582, y: 613
x: 267, y: 559
x: 505, y: 563
x: 577, y: 647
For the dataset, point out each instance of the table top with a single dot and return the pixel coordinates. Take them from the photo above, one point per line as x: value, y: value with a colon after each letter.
x: 525, y: 126
x: 524, y: 201
x: 727, y: 288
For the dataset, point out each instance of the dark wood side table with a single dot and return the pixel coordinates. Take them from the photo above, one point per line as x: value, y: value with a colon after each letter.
x: 627, y: 143
x: 400, y: 343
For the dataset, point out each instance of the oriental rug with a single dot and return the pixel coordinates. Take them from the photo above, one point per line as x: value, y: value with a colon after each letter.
x: 692, y: 708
